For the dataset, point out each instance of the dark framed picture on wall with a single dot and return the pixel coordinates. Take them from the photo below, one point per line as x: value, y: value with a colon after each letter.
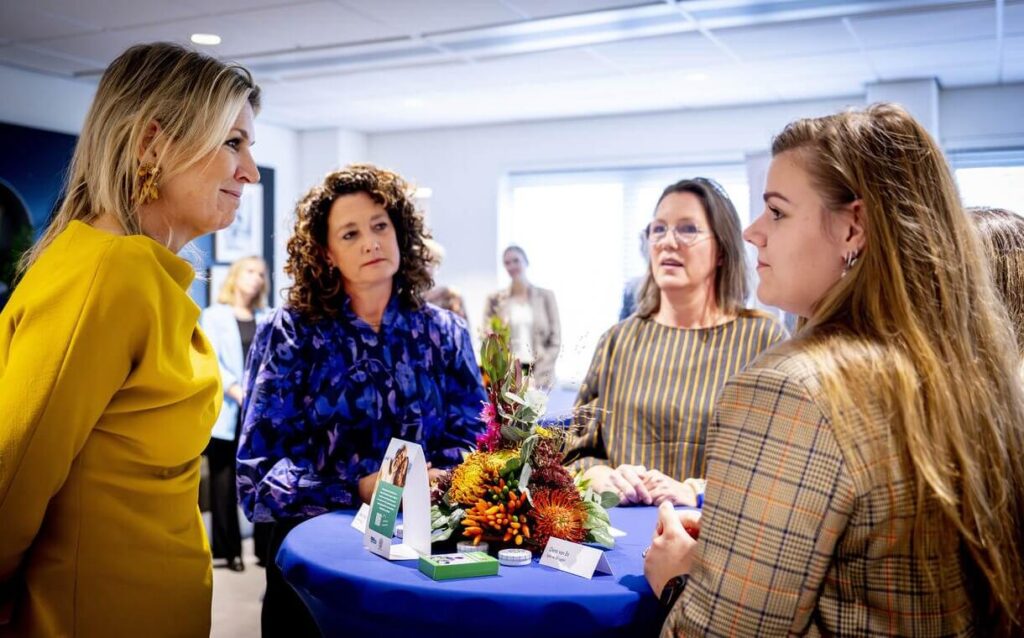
x: 244, y: 237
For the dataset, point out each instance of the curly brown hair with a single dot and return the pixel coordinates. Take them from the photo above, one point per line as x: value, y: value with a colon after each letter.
x: 318, y: 291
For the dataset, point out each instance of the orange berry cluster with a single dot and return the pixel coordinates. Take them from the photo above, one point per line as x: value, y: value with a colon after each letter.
x: 504, y: 521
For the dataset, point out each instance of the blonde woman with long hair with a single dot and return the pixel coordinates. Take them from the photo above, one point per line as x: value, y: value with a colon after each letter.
x: 865, y: 478
x: 230, y: 325
x: 108, y: 388
x: 1002, y: 236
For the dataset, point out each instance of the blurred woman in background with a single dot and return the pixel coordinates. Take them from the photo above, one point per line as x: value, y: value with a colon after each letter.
x: 531, y: 313
x: 230, y: 325
x: 1002, y: 236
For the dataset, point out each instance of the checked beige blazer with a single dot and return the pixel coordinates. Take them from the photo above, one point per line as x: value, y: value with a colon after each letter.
x: 803, y: 532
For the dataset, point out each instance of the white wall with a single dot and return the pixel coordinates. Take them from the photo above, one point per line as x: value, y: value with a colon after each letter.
x: 985, y: 117
x: 279, y: 148
x: 465, y: 166
x: 43, y: 101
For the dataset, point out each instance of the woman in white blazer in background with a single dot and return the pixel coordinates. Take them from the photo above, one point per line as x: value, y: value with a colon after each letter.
x: 230, y: 325
x: 532, y: 317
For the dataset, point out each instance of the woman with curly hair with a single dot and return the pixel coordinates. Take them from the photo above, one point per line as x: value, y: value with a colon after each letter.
x: 354, y: 358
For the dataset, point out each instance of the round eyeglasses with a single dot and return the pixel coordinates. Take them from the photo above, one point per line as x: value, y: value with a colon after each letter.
x: 686, y: 234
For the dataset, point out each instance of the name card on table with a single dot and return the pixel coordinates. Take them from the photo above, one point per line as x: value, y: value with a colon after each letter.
x: 575, y: 558
x: 363, y: 515
x: 402, y: 482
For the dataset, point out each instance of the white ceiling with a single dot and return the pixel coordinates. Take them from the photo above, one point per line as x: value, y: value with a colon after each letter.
x: 382, y: 65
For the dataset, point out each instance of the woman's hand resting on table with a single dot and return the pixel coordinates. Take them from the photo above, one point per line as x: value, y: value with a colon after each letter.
x: 625, y: 480
x: 671, y: 550
x: 664, y: 488
x: 636, y: 485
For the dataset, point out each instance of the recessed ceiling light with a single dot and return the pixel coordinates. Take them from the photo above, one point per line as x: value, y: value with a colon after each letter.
x: 424, y: 192
x: 697, y: 77
x: 208, y: 39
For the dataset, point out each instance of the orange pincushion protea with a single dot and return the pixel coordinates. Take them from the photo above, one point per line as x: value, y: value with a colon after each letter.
x: 559, y: 513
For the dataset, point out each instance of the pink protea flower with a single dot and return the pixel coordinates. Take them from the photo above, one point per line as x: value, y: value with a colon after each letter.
x: 490, y: 440
x: 487, y: 414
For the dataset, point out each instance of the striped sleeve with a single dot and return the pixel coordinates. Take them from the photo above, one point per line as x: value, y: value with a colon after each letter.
x: 779, y: 498
x: 586, y: 448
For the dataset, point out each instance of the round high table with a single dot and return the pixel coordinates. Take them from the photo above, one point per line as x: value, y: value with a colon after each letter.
x: 352, y: 592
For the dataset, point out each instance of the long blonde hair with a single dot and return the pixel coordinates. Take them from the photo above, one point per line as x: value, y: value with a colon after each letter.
x: 1002, y: 235
x: 916, y: 328
x: 194, y: 98
x: 226, y: 294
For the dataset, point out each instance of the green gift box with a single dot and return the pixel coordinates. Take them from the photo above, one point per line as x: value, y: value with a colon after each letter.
x: 448, y: 566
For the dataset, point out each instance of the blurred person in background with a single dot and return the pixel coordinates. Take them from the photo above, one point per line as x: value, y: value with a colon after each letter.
x: 230, y: 324
x: 531, y: 313
x: 442, y: 296
x: 1002, y: 237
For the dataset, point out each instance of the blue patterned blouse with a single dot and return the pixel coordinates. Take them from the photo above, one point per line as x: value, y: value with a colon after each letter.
x: 323, y: 399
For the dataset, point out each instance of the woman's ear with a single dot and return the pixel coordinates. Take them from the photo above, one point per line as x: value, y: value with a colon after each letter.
x: 856, y: 230
x: 151, y: 143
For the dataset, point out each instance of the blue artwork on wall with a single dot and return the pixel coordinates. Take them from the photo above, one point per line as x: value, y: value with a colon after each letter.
x: 33, y: 168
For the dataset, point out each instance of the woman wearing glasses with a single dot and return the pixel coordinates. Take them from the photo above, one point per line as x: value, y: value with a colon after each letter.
x: 645, y: 403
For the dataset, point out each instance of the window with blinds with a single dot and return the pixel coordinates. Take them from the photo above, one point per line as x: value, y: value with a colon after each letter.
x: 993, y: 178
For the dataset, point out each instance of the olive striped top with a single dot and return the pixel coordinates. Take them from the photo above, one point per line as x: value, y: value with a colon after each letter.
x: 650, y: 391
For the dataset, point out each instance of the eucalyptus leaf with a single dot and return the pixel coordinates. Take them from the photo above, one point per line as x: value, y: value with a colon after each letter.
x: 526, y: 451
x: 602, y: 536
x: 513, y: 434
x: 609, y: 499
x: 456, y: 517
x: 512, y: 465
x: 514, y: 398
x: 597, y: 512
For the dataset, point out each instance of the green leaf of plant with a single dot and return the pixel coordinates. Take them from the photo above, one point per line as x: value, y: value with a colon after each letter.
x: 597, y: 512
x: 609, y: 499
x: 602, y: 536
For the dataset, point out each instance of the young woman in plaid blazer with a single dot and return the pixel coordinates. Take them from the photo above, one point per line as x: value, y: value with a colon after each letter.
x: 865, y: 478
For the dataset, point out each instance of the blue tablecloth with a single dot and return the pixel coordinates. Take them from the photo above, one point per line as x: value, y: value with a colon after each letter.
x: 352, y: 592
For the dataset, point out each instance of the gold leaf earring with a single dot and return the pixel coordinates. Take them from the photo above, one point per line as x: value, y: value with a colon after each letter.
x: 148, y: 176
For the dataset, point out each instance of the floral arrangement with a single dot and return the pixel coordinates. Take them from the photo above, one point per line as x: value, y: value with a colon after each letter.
x: 513, y: 489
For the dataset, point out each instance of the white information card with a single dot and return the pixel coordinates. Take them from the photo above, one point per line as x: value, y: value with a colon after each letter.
x: 402, y: 481
x: 575, y: 558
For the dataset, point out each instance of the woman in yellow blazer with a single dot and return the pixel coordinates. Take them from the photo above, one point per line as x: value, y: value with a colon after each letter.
x: 865, y: 478
x: 108, y: 389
